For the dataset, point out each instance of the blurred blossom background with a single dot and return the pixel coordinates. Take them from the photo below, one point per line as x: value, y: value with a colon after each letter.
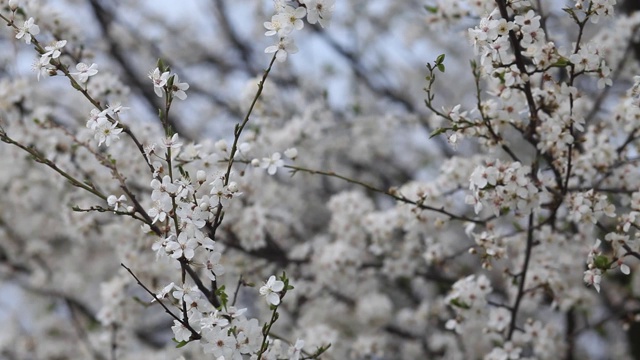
x: 372, y: 276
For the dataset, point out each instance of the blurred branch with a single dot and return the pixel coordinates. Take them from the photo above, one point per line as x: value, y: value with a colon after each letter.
x: 386, y: 92
x: 240, y: 46
x: 105, y: 18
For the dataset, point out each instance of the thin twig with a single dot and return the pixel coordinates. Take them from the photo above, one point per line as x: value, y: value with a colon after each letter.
x: 389, y: 193
x: 194, y: 334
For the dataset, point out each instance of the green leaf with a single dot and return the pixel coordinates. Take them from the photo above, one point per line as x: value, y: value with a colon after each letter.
x: 356, y: 108
x: 437, y: 132
x: 141, y: 302
x: 75, y: 85
x: 562, y: 62
x: 457, y: 303
x: 21, y: 12
x: 601, y: 262
x: 183, y: 172
x: 568, y: 10
x: 160, y: 65
x: 431, y: 9
x: 180, y: 344
x: 440, y: 59
x: 170, y: 81
x: 441, y: 67
x: 222, y: 294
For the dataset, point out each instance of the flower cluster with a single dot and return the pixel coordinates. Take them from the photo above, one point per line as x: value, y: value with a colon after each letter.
x: 43, y: 64
x: 287, y: 19
x: 104, y: 126
x: 165, y: 82
x: 504, y: 187
x: 589, y: 207
x: 467, y: 294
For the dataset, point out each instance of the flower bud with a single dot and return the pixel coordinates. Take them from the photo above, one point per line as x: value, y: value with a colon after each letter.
x: 245, y: 147
x: 233, y: 187
x: 221, y: 145
x: 201, y: 176
x: 291, y: 153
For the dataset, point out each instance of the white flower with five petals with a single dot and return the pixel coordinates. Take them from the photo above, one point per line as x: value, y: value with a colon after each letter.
x: 271, y: 289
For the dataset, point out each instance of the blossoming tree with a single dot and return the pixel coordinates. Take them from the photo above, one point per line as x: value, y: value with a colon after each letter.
x: 270, y: 180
